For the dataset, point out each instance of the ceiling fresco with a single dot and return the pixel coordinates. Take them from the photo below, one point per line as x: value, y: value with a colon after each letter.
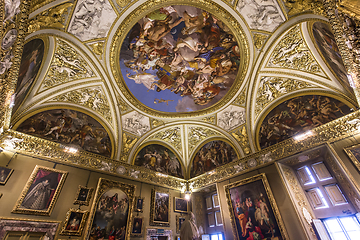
x: 179, y: 59
x: 193, y: 85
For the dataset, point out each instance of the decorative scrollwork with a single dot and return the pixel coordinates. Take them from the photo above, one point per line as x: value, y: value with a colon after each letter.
x: 128, y: 142
x: 171, y: 136
x: 240, y: 100
x: 241, y: 136
x: 156, y: 122
x: 210, y: 119
x: 198, y: 134
x: 259, y: 40
x: 300, y: 6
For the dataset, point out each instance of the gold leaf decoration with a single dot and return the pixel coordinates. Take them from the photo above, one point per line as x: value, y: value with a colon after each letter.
x: 128, y: 142
x: 97, y: 48
x: 198, y: 134
x: 156, y: 122
x: 210, y: 119
x: 171, y: 136
x: 242, y: 137
x: 299, y: 6
x: 240, y: 100
x: 259, y: 40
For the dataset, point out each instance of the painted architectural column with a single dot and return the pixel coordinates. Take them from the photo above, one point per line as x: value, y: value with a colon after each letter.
x: 343, y: 34
x: 13, y: 27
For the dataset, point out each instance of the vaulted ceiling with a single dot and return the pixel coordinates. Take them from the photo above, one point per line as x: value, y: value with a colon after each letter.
x: 282, y: 57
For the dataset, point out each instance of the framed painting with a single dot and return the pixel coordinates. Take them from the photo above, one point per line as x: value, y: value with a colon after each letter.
x: 137, y: 226
x: 253, y: 210
x: 139, y: 204
x: 179, y: 222
x: 74, y: 222
x: 181, y: 205
x: 354, y: 154
x: 83, y: 195
x: 160, y: 208
x: 111, y: 211
x: 41, y: 191
x: 5, y: 174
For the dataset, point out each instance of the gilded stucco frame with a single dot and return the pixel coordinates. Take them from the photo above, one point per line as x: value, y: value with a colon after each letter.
x: 142, y: 227
x: 178, y: 227
x: 103, y: 186
x: 18, y: 209
x: 152, y: 221
x: 136, y: 209
x: 351, y: 155
x: 179, y: 210
x: 88, y: 196
x: 78, y: 232
x: 270, y: 196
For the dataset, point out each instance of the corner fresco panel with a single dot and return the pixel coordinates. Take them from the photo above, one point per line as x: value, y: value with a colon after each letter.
x: 31, y: 60
x: 179, y: 59
x: 298, y: 115
x: 71, y: 128
x: 159, y: 158
x: 212, y: 155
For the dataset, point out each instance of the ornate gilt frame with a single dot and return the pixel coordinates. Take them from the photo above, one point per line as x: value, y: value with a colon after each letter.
x: 132, y: 226
x: 64, y: 231
x: 88, y: 196
x: 152, y: 222
x: 135, y: 204
x: 178, y: 217
x: 180, y: 211
x: 102, y: 187
x: 270, y: 196
x: 18, y: 209
x: 8, y: 176
x: 352, y: 157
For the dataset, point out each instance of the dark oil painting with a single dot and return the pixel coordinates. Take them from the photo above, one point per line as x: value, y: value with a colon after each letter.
x: 326, y: 43
x: 254, y: 217
x: 179, y: 59
x: 159, y: 158
x: 212, y: 155
x: 71, y: 128
x: 299, y: 115
x: 111, y: 216
x: 31, y: 60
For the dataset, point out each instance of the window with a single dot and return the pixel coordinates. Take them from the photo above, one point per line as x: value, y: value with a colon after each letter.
x: 343, y: 228
x: 216, y: 236
x: 213, y: 210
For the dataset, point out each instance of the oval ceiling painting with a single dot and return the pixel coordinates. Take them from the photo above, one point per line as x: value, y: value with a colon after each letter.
x: 71, y: 128
x: 298, y: 115
x: 159, y: 158
x: 212, y: 155
x: 179, y: 59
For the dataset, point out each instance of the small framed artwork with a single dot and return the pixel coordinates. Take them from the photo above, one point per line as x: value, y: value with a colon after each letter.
x: 264, y: 218
x: 74, y: 222
x: 160, y: 208
x: 139, y: 204
x: 5, y: 174
x: 137, y: 224
x: 41, y: 191
x: 179, y: 222
x: 181, y: 205
x: 354, y: 154
x: 83, y: 195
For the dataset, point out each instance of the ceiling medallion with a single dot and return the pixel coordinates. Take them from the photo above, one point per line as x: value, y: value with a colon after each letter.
x: 179, y: 60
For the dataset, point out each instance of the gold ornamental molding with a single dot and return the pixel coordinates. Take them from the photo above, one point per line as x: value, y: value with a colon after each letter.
x: 206, y: 5
x: 302, y: 6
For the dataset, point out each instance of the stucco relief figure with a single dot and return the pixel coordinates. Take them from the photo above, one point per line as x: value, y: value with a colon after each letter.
x: 12, y: 7
x: 231, y: 117
x: 262, y: 15
x: 189, y: 230
x: 92, y: 19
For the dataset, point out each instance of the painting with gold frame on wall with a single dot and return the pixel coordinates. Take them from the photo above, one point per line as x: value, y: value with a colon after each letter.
x: 179, y: 221
x: 137, y: 226
x: 107, y: 222
x: 354, y: 154
x: 41, y: 191
x: 160, y: 208
x: 74, y: 222
x: 180, y: 205
x: 83, y: 195
x: 5, y: 174
x: 253, y: 211
x: 138, y: 204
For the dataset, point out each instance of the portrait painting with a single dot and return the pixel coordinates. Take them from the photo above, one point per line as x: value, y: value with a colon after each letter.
x: 111, y: 212
x: 299, y: 115
x: 179, y: 222
x: 253, y: 211
x: 161, y: 159
x: 31, y: 59
x: 160, y: 208
x: 326, y: 44
x: 5, y: 174
x: 139, y: 204
x: 137, y: 227
x: 212, y: 155
x: 74, y: 222
x: 179, y: 59
x: 41, y: 191
x: 83, y: 195
x: 71, y: 128
x: 354, y: 154
x: 180, y: 205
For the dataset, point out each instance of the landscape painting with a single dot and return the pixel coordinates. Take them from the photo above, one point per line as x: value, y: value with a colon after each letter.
x: 326, y: 43
x: 31, y: 59
x: 179, y: 59
x: 161, y: 159
x: 298, y: 115
x: 69, y: 127
x: 212, y: 155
